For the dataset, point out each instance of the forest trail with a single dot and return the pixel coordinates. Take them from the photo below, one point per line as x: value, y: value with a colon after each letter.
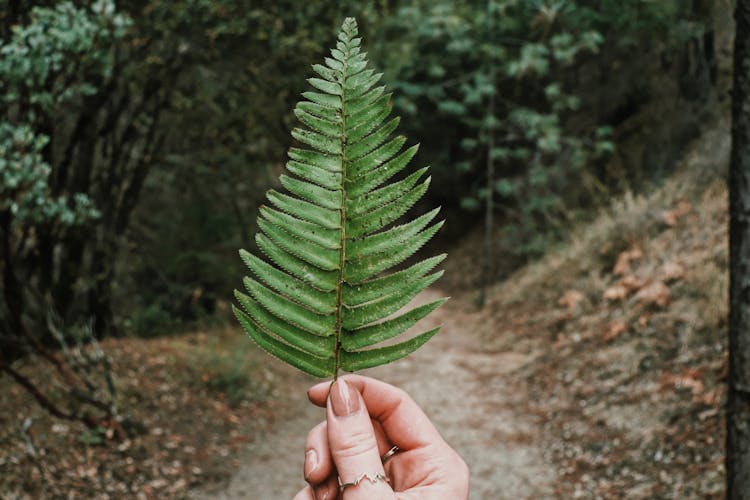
x: 469, y: 394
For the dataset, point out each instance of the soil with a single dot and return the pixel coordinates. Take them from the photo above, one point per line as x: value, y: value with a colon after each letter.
x: 470, y: 395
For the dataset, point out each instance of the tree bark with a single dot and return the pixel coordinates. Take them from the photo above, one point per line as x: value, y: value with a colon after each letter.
x: 738, y: 404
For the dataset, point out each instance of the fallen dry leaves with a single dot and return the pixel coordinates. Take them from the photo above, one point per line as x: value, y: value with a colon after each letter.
x: 624, y: 287
x: 622, y: 266
x: 570, y: 299
x: 636, y: 408
x: 689, y: 378
x: 186, y: 436
x: 671, y: 271
x: 653, y: 294
x: 614, y: 330
x: 672, y: 216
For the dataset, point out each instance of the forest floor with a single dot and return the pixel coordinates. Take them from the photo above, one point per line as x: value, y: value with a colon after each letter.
x: 596, y: 372
x: 467, y: 392
x: 196, y: 399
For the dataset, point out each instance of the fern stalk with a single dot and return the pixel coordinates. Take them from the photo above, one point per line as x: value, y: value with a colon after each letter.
x: 325, y: 302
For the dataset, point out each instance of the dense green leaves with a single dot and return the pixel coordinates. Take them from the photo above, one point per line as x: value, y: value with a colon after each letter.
x: 509, y: 81
x: 36, y: 77
x: 323, y: 306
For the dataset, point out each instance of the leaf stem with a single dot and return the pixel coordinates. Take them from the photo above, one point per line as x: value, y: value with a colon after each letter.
x: 342, y: 212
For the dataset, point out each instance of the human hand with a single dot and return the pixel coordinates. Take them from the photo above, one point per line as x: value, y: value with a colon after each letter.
x: 364, y: 419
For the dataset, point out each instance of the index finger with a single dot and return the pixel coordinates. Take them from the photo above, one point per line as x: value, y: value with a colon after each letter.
x: 403, y: 421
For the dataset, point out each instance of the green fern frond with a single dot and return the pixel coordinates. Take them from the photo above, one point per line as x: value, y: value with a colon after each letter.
x: 322, y: 303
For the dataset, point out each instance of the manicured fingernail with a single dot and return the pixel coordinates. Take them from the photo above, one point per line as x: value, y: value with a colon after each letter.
x: 311, y: 463
x: 321, y: 492
x: 344, y: 399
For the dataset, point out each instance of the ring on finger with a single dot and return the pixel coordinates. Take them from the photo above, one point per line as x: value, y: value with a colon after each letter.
x: 373, y: 478
x: 390, y: 453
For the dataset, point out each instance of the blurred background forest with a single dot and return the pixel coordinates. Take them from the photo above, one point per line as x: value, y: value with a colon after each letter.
x: 138, y: 139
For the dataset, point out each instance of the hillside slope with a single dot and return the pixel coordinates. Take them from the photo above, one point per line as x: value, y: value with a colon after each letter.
x: 627, y: 326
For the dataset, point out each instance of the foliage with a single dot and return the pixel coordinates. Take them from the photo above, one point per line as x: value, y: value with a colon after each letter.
x: 150, y: 139
x: 510, y: 71
x: 36, y: 78
x: 48, y: 66
x: 24, y: 192
x: 200, y: 197
x: 66, y: 185
x: 326, y: 306
x: 198, y: 202
x: 35, y: 61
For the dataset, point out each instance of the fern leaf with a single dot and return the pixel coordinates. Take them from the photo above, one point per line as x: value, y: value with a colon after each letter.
x: 319, y: 301
x: 354, y: 295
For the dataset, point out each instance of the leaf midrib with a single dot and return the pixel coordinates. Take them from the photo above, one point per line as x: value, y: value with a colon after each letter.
x: 342, y: 211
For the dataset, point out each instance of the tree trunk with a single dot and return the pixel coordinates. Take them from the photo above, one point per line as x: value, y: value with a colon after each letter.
x: 738, y: 404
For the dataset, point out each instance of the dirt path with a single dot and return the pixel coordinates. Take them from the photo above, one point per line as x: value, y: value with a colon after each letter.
x: 467, y: 393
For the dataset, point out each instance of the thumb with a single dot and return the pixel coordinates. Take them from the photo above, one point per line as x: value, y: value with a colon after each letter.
x: 353, y: 446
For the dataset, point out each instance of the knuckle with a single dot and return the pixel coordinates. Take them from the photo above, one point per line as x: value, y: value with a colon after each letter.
x: 462, y: 477
x: 315, y: 435
x: 316, y: 432
x: 463, y: 467
x: 460, y: 466
x: 355, y: 444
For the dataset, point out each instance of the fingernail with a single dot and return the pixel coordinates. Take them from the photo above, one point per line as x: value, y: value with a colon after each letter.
x: 344, y: 399
x: 321, y: 492
x: 311, y: 463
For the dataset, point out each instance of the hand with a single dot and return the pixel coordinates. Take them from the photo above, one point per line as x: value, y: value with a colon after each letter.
x: 364, y: 419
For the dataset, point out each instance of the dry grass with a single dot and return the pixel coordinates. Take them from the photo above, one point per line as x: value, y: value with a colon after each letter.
x: 627, y: 321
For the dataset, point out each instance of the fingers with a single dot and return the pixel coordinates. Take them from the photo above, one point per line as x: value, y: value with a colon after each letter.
x: 328, y: 490
x: 325, y: 491
x: 384, y: 444
x: 305, y: 494
x: 403, y: 422
x: 353, y: 445
x: 365, y: 418
x: 318, y: 465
